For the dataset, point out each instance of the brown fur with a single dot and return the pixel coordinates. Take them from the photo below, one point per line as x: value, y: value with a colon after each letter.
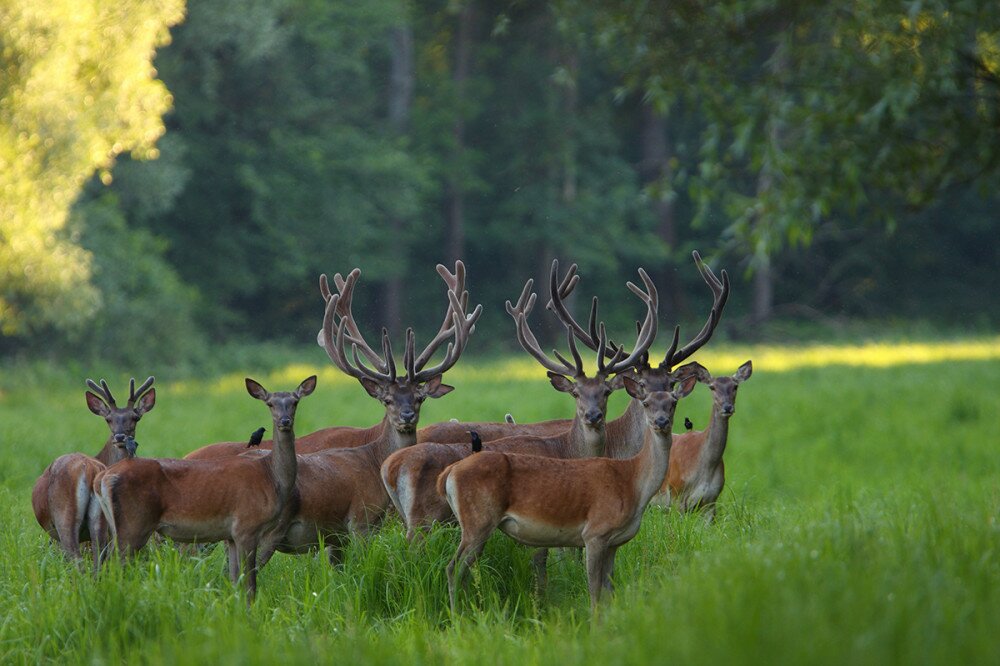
x: 335, y: 437
x: 595, y: 502
x: 62, y: 499
x: 418, y: 467
x: 239, y: 500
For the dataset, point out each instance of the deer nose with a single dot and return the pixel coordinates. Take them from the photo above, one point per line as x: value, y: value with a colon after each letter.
x: 408, y: 416
x: 119, y: 438
x: 594, y: 416
x: 728, y: 409
x: 285, y: 422
x: 661, y: 422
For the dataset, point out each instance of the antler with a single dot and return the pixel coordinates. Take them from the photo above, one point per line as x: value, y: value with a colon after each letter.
x: 333, y: 342
x: 335, y: 334
x: 134, y: 395
x: 462, y: 329
x: 720, y: 294
x: 595, y: 337
x: 103, y: 391
x: 456, y: 283
x: 345, y: 288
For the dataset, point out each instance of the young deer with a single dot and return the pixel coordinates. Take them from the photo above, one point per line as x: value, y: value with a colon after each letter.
x: 238, y: 500
x: 596, y: 503
x: 62, y: 498
x: 697, y: 474
x: 339, y: 489
x: 342, y: 437
x: 410, y: 475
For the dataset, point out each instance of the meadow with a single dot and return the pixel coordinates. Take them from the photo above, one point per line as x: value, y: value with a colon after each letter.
x: 860, y: 524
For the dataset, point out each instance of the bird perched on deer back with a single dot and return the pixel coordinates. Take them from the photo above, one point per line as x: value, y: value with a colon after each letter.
x: 477, y: 443
x: 256, y: 437
x: 131, y: 445
x: 688, y: 424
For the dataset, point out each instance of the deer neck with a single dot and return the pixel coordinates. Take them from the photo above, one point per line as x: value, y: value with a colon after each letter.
x: 625, y: 433
x: 587, y: 442
x: 392, y: 440
x: 284, y: 466
x: 651, y: 464
x: 715, y: 438
x: 111, y: 454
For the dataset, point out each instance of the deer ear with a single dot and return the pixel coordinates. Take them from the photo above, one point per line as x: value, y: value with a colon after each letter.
x: 256, y: 390
x: 685, y: 386
x: 433, y: 388
x: 561, y: 382
x: 743, y: 373
x: 373, y: 387
x: 147, y: 401
x: 97, y: 405
x: 307, y: 386
x: 633, y: 387
x: 694, y: 369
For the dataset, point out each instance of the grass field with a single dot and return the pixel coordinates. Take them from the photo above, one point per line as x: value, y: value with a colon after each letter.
x: 859, y: 525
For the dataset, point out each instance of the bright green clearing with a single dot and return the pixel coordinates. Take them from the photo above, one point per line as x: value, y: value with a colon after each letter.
x: 859, y: 525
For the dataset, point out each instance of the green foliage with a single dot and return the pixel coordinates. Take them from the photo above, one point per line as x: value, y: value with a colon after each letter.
x: 851, y: 531
x: 812, y: 112
x: 77, y: 88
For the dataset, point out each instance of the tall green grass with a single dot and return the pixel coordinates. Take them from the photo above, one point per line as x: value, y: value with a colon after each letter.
x: 859, y: 525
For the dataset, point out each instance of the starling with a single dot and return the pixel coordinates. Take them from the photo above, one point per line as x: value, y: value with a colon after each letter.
x: 131, y: 445
x: 477, y: 443
x: 688, y: 424
x: 255, y: 437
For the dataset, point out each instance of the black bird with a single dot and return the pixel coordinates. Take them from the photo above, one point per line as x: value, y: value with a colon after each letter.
x: 255, y: 437
x: 131, y: 445
x: 688, y: 424
x: 477, y: 443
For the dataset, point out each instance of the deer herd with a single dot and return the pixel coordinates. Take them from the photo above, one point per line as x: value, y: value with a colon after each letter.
x: 580, y: 482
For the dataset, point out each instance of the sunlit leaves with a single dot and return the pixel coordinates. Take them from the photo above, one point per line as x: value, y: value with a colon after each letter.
x: 77, y: 88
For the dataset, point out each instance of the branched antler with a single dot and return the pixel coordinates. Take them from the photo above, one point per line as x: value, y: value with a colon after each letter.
x: 335, y: 334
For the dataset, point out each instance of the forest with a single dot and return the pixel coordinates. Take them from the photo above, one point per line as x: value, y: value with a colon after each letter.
x: 187, y: 170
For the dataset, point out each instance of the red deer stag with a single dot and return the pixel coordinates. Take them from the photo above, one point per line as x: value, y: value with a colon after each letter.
x: 340, y: 437
x: 697, y: 474
x: 339, y: 489
x: 596, y: 503
x: 238, y: 500
x: 62, y: 498
x: 410, y: 475
x: 623, y: 430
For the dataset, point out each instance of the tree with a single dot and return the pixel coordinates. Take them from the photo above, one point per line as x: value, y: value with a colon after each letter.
x: 77, y: 89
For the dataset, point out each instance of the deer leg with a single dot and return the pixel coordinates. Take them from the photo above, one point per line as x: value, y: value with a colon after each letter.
x: 609, y: 569
x: 539, y: 560
x: 98, y: 532
x: 597, y: 554
x: 233, y: 562
x: 247, y: 557
x: 466, y: 555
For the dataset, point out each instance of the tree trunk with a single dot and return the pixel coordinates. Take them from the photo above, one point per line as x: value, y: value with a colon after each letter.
x: 456, y: 188
x: 655, y: 170
x: 764, y: 276
x: 401, y: 81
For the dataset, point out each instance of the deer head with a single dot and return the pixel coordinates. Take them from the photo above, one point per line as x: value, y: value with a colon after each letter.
x: 591, y: 393
x: 723, y: 388
x: 282, y: 403
x: 659, y: 404
x: 401, y: 393
x: 121, y: 420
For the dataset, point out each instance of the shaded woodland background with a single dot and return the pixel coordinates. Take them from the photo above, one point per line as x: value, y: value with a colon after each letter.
x: 175, y: 176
